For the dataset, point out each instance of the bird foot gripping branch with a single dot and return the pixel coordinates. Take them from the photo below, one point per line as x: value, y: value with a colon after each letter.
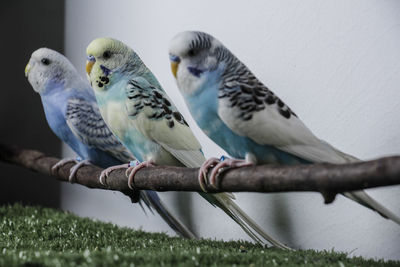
x: 78, y: 163
x: 132, y: 170
x: 61, y: 163
x: 105, y: 173
x: 218, y: 166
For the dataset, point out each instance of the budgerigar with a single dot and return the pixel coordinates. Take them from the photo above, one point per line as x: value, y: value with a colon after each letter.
x: 243, y: 116
x: 72, y: 113
x: 141, y: 115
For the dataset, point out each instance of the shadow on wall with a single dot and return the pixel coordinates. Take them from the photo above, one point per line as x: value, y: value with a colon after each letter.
x: 282, y: 219
x: 184, y: 206
x: 28, y: 25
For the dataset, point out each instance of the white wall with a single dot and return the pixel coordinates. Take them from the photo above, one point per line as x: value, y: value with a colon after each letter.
x: 336, y: 63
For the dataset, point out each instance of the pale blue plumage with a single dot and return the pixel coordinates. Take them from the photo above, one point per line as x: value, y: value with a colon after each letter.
x: 55, y: 103
x: 73, y: 115
x: 242, y: 115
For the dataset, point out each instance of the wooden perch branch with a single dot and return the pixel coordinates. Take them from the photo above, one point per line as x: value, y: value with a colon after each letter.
x: 328, y: 179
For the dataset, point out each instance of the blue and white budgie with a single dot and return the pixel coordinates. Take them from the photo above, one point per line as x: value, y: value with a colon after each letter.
x: 141, y: 115
x: 73, y: 115
x: 243, y: 116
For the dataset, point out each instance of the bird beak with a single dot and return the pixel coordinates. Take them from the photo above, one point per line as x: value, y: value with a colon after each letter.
x: 174, y: 68
x: 174, y: 64
x: 27, y: 69
x: 89, y: 64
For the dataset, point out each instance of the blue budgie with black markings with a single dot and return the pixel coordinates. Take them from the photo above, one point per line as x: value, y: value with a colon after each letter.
x: 243, y: 116
x: 73, y: 115
x: 145, y: 120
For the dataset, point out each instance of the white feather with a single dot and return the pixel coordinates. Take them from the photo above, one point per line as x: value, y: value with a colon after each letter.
x: 268, y: 127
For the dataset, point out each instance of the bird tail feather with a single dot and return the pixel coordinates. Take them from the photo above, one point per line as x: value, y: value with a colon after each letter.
x: 364, y: 199
x: 193, y: 159
x: 224, y: 201
x: 154, y: 202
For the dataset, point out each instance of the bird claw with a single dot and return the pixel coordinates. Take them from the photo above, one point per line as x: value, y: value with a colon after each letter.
x: 202, y: 176
x: 131, y: 171
x: 222, y: 165
x: 105, y: 173
x: 75, y: 168
x: 58, y: 165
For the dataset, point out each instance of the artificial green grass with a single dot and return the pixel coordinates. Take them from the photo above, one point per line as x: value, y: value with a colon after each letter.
x: 36, y: 236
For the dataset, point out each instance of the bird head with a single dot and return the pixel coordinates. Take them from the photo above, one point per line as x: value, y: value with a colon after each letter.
x: 47, y: 67
x: 192, y: 55
x: 106, y: 56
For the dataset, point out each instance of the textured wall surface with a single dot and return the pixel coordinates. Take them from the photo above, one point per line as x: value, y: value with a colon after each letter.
x: 335, y: 63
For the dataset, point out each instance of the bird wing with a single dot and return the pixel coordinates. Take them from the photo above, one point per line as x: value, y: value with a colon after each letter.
x: 84, y: 119
x: 165, y: 125
x: 250, y: 109
x: 162, y: 122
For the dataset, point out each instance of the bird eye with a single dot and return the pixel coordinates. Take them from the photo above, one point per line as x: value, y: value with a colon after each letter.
x: 107, y: 54
x: 191, y: 52
x: 45, y: 61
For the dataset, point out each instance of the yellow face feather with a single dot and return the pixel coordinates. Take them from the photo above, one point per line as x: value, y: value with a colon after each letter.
x: 96, y: 59
x: 97, y: 47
